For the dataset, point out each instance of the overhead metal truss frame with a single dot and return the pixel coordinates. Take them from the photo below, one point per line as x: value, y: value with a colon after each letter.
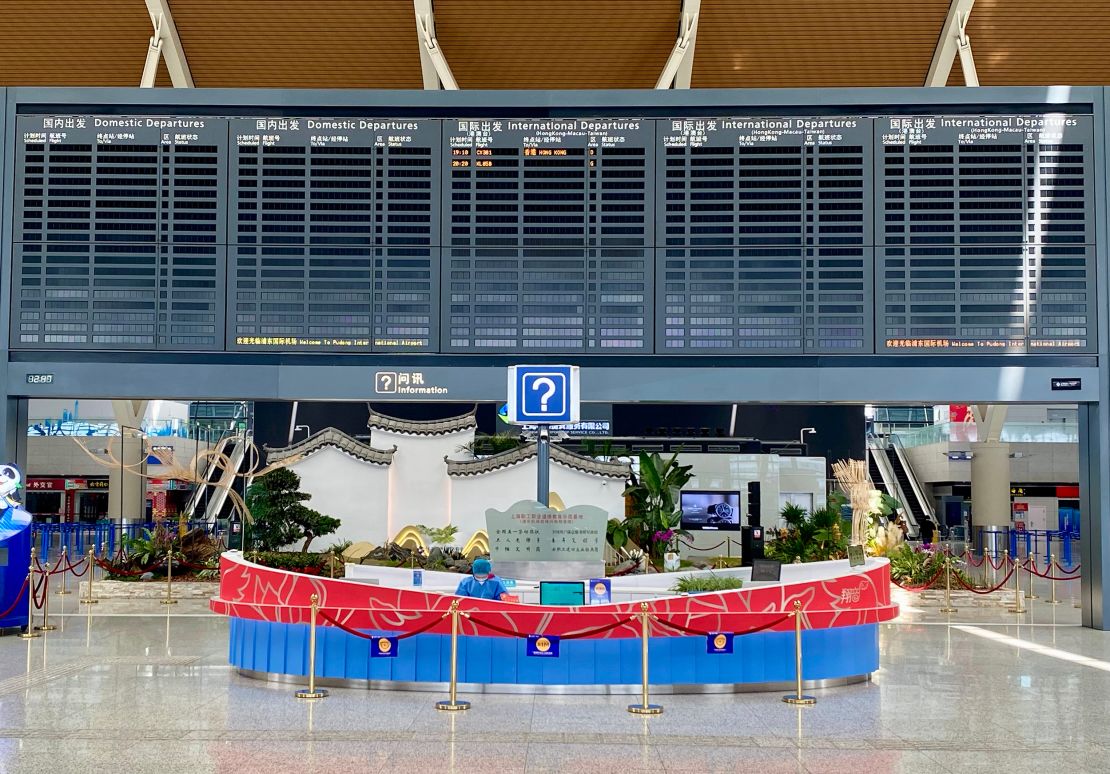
x: 953, y: 42
x: 680, y: 64
x: 433, y: 64
x: 165, y: 43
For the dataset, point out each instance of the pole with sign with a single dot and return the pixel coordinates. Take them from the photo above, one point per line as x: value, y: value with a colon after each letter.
x: 543, y: 395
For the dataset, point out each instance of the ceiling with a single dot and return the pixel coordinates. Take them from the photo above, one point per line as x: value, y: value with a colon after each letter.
x: 568, y: 44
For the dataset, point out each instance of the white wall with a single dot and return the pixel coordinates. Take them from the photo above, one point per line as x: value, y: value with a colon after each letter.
x: 472, y: 495
x: 353, y: 491
x: 419, y: 492
x: 1038, y: 462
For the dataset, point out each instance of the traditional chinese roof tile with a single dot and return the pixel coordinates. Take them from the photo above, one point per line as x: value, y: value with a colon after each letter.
x: 422, y: 427
x: 528, y: 451
x: 336, y: 439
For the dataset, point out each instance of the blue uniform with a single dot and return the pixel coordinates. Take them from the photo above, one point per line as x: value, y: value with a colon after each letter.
x: 493, y: 588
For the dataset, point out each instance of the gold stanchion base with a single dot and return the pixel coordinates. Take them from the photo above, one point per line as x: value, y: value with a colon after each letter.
x: 645, y: 709
x: 800, y: 701
x: 1031, y: 596
x: 1053, y: 602
x: 447, y: 705
x: 949, y: 610
x: 1018, y: 610
x: 168, y: 602
x: 30, y: 634
x: 319, y: 693
x: 46, y: 628
x: 88, y: 601
x: 62, y: 593
x: 1077, y: 605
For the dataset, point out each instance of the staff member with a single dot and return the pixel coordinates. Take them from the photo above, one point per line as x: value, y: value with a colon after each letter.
x: 481, y: 583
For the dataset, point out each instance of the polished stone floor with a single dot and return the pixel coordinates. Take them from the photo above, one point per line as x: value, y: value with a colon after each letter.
x: 127, y: 687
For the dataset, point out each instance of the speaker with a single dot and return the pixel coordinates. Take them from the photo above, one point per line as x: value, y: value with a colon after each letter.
x: 751, y: 545
x: 753, y: 503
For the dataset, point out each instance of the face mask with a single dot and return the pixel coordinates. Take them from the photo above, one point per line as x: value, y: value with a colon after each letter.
x: 481, y: 578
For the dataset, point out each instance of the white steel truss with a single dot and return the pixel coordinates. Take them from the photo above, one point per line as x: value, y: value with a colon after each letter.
x: 953, y: 41
x: 433, y: 65
x: 165, y: 44
x: 680, y: 64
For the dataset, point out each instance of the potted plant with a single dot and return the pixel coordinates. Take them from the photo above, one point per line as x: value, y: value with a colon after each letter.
x: 653, y: 513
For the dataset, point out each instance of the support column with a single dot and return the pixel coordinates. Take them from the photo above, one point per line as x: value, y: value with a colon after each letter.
x: 126, y: 488
x: 990, y: 470
x: 1094, y: 502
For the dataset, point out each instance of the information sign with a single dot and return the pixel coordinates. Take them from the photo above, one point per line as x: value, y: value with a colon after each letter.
x: 543, y: 394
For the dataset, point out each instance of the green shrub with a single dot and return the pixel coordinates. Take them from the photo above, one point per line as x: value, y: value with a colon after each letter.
x: 295, y: 561
x: 916, y: 566
x: 696, y: 584
x: 815, y: 537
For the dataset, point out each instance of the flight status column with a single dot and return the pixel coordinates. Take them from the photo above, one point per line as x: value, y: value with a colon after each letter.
x: 336, y: 234
x: 545, y: 233
x: 987, y: 235
x: 764, y: 235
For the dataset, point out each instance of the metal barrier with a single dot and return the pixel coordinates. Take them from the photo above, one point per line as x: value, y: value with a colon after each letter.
x: 78, y: 537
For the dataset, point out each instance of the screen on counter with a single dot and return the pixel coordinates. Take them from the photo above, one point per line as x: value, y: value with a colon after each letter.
x: 710, y: 510
x: 571, y: 593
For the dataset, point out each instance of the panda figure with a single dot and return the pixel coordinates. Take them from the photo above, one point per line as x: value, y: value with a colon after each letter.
x: 13, y: 518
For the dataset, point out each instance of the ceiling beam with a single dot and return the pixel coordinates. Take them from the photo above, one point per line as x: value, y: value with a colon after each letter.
x: 433, y: 64
x: 165, y: 44
x: 953, y: 42
x: 680, y: 64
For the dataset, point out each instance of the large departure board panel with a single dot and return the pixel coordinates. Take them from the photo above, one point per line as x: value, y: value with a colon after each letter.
x: 988, y: 227
x: 840, y: 233
x: 547, y: 235
x: 764, y: 229
x: 336, y: 226
x: 119, y: 224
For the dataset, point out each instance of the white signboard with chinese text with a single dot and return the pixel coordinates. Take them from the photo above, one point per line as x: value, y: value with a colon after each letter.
x: 530, y: 540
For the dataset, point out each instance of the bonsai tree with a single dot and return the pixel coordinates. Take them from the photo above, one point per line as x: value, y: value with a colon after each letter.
x: 655, y: 515
x: 280, y: 517
x: 439, y: 536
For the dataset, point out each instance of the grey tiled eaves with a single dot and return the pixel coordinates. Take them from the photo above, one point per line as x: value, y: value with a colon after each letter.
x: 422, y: 427
x: 527, y: 452
x: 337, y: 439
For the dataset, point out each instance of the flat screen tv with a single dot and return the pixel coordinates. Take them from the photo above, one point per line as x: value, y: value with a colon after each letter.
x: 717, y: 510
x: 571, y: 593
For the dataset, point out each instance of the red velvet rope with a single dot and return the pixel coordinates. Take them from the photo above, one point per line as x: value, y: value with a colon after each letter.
x: 17, y: 600
x: 710, y: 548
x: 128, y: 573
x: 1075, y: 569
x: 1032, y: 567
x: 365, y: 636
x: 994, y: 566
x: 73, y: 568
x: 688, y: 630
x: 972, y: 563
x: 44, y: 584
x: 986, y: 591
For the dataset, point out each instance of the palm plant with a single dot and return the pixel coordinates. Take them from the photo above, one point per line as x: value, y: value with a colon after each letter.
x: 655, y: 513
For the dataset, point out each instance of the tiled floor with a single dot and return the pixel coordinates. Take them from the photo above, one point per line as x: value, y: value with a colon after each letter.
x: 127, y: 688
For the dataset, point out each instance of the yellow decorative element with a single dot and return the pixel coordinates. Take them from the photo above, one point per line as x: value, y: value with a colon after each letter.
x: 411, y: 537
x: 555, y: 503
x: 478, y: 545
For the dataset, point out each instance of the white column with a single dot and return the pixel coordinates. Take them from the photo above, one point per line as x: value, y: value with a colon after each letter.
x: 990, y: 484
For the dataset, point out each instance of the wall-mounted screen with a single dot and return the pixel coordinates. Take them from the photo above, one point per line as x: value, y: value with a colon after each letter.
x: 710, y: 510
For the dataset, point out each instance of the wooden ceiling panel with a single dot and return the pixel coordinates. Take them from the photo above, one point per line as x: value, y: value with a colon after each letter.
x: 816, y: 43
x: 351, y: 44
x: 73, y: 42
x: 564, y: 44
x: 1026, y: 43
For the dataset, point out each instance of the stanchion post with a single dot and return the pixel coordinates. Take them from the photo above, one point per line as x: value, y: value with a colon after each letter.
x: 645, y: 707
x: 1030, y: 566
x: 948, y: 585
x: 1052, y: 583
x: 65, y: 563
x: 453, y: 704
x: 30, y: 633
x: 1019, y: 602
x: 46, y: 625
x: 90, y: 599
x: 798, y: 698
x: 169, y: 600
x: 312, y: 692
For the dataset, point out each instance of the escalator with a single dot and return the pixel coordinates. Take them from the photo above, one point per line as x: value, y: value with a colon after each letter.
x: 913, y: 499
x: 884, y: 479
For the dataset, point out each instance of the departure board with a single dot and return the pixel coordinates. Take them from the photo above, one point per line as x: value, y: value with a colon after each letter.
x: 764, y: 229
x: 119, y: 228
x: 547, y: 235
x: 688, y: 235
x: 336, y: 235
x: 988, y: 233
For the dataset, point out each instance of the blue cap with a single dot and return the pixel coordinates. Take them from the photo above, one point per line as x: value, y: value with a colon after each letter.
x: 480, y: 567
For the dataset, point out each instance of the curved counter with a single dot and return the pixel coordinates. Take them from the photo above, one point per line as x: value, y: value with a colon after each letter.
x: 600, y: 644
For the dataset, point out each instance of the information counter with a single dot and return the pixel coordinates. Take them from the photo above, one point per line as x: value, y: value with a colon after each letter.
x: 599, y: 646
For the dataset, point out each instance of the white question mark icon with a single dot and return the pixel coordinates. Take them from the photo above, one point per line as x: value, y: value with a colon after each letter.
x: 387, y: 382
x: 550, y: 384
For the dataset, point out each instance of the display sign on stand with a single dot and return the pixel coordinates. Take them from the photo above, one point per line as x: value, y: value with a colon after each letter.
x: 532, y: 541
x: 543, y: 395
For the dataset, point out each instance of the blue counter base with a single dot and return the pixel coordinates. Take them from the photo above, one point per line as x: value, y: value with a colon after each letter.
x: 764, y: 658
